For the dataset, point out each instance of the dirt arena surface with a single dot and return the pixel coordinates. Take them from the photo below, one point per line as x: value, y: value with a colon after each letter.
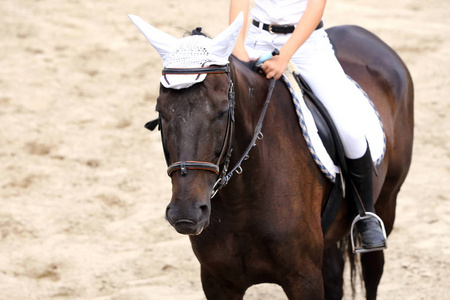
x: 83, y: 186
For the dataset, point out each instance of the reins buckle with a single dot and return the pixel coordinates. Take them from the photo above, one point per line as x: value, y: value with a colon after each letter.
x: 217, y: 186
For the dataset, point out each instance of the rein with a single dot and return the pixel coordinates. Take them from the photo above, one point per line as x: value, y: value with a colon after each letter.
x: 257, y: 134
x: 225, y: 155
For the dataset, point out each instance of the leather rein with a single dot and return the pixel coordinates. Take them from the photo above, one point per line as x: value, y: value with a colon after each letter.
x: 226, y: 151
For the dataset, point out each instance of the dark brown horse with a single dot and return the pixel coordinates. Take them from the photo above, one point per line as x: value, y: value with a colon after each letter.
x: 265, y: 225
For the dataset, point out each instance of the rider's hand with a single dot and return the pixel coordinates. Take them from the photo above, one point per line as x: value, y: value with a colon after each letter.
x: 275, y: 66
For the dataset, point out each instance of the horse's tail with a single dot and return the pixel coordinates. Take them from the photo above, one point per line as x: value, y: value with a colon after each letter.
x: 345, y: 248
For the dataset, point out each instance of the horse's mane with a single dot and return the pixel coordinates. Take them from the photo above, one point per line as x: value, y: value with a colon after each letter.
x: 249, y: 64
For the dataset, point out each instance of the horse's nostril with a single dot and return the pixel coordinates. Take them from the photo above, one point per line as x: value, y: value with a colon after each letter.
x: 203, y: 207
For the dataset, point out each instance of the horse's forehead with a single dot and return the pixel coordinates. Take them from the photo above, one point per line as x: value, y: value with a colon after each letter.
x: 184, y: 100
x: 210, y: 88
x: 203, y: 97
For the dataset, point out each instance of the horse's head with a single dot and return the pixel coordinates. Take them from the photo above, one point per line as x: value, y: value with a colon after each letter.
x: 194, y: 124
x: 194, y: 107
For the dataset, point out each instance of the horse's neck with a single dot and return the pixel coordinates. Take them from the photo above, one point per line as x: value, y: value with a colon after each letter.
x: 250, y: 92
x: 282, y: 148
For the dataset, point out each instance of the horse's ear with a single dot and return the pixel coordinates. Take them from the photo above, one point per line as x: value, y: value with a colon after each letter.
x: 152, y: 125
x: 163, y: 43
x: 223, y: 44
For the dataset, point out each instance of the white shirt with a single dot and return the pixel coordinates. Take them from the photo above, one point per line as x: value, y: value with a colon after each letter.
x: 283, y: 12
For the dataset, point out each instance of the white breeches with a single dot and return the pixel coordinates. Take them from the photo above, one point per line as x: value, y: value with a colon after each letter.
x: 318, y: 65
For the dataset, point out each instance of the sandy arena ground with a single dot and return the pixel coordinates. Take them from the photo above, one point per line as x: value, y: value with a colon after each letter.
x: 83, y: 186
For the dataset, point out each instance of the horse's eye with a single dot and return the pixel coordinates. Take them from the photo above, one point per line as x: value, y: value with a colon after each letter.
x: 222, y: 114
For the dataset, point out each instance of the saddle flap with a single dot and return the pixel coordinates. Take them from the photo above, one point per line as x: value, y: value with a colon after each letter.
x: 326, y: 129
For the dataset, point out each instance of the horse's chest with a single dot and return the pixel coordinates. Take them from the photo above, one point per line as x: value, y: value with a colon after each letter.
x: 239, y: 256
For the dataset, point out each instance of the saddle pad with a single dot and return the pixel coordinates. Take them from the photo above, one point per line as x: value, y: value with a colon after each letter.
x: 375, y: 134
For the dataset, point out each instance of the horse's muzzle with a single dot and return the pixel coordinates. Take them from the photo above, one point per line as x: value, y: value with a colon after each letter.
x: 188, y: 221
x: 189, y: 227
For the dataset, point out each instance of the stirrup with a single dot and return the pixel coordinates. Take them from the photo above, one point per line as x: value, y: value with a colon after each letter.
x: 367, y: 216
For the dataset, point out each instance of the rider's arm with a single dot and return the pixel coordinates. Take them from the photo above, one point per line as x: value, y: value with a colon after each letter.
x: 276, y: 66
x: 236, y: 6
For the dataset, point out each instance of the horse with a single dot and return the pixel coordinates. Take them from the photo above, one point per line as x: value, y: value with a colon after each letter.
x: 263, y: 224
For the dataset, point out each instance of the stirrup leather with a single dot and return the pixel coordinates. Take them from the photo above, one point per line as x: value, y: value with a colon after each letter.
x: 360, y: 249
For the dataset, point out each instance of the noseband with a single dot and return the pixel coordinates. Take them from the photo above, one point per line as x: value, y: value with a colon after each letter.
x: 226, y: 151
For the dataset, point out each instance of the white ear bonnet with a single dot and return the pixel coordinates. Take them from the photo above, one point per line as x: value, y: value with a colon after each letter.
x: 190, y: 52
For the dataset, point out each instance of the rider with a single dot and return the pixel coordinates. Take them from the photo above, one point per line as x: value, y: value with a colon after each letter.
x: 302, y: 40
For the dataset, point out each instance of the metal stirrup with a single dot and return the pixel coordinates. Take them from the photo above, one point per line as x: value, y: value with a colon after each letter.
x: 359, y: 218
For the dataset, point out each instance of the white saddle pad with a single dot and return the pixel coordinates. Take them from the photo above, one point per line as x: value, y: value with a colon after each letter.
x: 375, y: 134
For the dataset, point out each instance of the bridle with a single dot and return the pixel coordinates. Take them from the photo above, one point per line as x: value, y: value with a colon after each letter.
x: 225, y: 155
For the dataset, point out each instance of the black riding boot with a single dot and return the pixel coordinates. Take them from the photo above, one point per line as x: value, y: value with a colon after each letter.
x: 360, y: 173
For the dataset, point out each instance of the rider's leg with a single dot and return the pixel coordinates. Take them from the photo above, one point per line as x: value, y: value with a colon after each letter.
x: 321, y: 70
x: 360, y: 172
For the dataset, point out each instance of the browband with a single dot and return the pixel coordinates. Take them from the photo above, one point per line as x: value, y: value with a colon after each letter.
x: 192, y: 71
